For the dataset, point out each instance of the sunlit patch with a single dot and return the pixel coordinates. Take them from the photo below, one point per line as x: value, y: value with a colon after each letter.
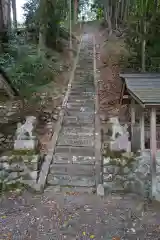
x: 92, y: 236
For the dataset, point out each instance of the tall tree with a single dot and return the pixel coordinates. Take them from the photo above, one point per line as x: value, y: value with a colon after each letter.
x: 14, y: 10
x: 9, y: 15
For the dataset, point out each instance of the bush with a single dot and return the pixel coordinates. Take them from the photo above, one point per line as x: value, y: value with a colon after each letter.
x: 26, y: 69
x: 31, y: 72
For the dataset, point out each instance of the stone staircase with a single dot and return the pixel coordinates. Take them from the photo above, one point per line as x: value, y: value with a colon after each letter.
x: 73, y: 162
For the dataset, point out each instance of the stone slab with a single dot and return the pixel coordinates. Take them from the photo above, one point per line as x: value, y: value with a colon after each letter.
x: 75, y: 151
x: 72, y: 158
x: 83, y: 84
x: 66, y: 180
x: 79, y: 99
x: 83, y: 120
x: 82, y: 93
x: 72, y: 169
x: 85, y: 109
x: 25, y: 144
x: 68, y: 190
x: 75, y: 113
x: 79, y: 89
x: 82, y: 131
x: 76, y: 140
x: 81, y: 103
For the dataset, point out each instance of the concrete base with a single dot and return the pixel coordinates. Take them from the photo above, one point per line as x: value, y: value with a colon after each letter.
x: 25, y: 144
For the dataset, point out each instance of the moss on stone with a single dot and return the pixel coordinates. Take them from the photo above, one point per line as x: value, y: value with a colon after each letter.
x: 13, y: 185
x: 113, y: 154
x: 24, y: 152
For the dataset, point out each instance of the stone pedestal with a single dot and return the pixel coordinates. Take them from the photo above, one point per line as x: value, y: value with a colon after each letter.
x: 121, y: 143
x: 25, y: 144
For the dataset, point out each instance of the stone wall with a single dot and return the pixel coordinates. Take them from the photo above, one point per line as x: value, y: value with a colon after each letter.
x: 19, y: 169
x: 127, y: 174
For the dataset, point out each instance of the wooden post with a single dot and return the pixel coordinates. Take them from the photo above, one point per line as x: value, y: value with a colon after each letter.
x: 153, y: 146
x: 133, y: 115
x: 142, y: 131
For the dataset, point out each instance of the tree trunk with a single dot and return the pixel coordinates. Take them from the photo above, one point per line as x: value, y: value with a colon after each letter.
x: 108, y: 15
x: 117, y: 13
x: 1, y: 17
x: 109, y: 24
x: 108, y: 19
x: 144, y: 46
x: 126, y: 10
x: 122, y: 9
x: 2, y: 27
x: 155, y: 4
x: 14, y: 9
x: 75, y: 11
x: 42, y: 40
x: 9, y: 16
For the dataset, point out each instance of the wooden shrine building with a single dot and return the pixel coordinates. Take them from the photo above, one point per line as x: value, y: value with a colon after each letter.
x: 142, y: 92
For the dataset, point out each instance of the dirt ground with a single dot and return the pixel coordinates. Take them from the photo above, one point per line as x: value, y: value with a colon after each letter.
x: 82, y: 217
x: 109, y: 53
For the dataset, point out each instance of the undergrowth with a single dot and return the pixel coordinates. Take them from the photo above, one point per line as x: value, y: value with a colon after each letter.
x: 25, y: 68
x: 116, y: 51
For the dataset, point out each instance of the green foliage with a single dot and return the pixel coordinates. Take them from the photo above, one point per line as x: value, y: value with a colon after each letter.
x: 97, y: 7
x: 30, y: 9
x: 26, y: 69
x: 30, y: 72
x: 134, y: 39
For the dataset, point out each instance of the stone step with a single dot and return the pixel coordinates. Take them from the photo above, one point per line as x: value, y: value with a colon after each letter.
x: 78, y: 124
x: 81, y: 86
x: 80, y: 108
x: 74, y: 93
x: 113, y: 187
x: 83, y: 77
x: 79, y: 155
x: 72, y: 169
x: 68, y: 158
x: 79, y: 99
x: 75, y: 140
x: 80, y: 103
x: 83, y: 83
x: 69, y: 190
x: 84, y: 131
x: 75, y: 113
x: 75, y: 181
x: 75, y: 151
x: 78, y: 121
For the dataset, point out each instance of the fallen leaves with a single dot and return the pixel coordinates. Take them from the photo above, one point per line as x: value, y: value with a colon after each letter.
x: 90, y: 236
x: 116, y: 238
x: 72, y: 193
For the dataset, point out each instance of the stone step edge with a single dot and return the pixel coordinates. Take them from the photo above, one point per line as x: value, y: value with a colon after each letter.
x: 70, y: 185
x: 70, y: 163
x: 70, y: 190
x: 68, y: 174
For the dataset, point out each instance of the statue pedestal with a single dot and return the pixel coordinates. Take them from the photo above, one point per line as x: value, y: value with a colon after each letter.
x: 25, y: 144
x: 121, y: 143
